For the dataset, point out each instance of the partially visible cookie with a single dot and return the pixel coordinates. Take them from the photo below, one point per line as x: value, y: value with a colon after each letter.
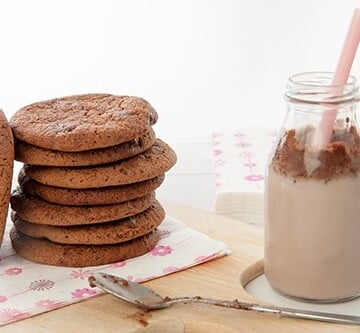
x: 153, y: 162
x: 33, y: 209
x: 83, y: 122
x: 92, y: 196
x: 96, y: 234
x: 46, y: 252
x: 27, y: 153
x: 6, y: 169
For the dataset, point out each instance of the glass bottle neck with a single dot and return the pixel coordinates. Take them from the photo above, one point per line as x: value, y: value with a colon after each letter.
x: 317, y: 88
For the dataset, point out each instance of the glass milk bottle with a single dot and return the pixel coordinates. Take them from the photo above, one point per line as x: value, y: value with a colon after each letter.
x: 312, y: 194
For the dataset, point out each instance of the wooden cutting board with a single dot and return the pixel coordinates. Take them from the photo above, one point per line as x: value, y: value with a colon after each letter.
x: 219, y: 278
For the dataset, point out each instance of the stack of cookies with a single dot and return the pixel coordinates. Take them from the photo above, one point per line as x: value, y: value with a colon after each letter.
x: 86, y: 193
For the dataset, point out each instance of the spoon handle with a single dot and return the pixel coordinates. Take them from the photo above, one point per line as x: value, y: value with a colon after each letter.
x: 307, y: 314
x: 281, y: 311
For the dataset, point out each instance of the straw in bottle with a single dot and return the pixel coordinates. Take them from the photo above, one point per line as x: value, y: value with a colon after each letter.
x: 340, y: 78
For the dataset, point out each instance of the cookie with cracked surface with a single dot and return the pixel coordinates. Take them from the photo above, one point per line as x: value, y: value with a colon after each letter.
x: 6, y: 169
x: 83, y: 122
x: 97, y: 234
x: 27, y: 153
x: 35, y: 210
x: 158, y: 159
x: 93, y: 196
x: 43, y: 251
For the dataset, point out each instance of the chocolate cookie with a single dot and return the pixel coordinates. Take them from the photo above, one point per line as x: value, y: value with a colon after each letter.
x: 96, y: 234
x: 28, y: 153
x: 6, y: 169
x: 83, y: 122
x: 50, y: 253
x: 84, y: 197
x: 153, y: 162
x: 36, y: 210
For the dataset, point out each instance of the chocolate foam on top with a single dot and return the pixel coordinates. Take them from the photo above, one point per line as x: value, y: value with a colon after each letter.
x: 295, y: 156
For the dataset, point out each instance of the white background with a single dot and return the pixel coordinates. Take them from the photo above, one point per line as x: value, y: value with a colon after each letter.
x: 203, y: 64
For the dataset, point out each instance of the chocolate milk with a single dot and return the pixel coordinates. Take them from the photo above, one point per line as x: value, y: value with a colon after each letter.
x: 312, y: 217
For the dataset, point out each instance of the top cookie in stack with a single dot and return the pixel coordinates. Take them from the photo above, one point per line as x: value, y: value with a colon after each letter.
x: 83, y: 122
x: 86, y: 193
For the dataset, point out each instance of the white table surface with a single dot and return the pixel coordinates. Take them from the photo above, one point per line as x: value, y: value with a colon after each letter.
x: 191, y: 180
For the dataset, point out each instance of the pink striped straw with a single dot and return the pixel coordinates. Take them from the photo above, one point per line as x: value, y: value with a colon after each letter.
x: 342, y: 73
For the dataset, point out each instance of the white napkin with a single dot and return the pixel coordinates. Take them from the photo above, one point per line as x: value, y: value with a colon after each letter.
x: 239, y: 159
x: 28, y: 288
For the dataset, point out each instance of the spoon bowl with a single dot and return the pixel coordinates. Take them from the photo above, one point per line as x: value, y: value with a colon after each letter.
x: 129, y: 291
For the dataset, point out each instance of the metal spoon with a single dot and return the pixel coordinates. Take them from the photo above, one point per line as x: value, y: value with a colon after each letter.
x: 147, y: 299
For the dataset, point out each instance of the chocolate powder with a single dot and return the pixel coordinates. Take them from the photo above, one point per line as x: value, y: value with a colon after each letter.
x: 341, y: 157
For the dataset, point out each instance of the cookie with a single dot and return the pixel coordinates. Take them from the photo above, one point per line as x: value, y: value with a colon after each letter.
x: 84, y: 197
x: 83, y: 122
x: 96, y: 234
x: 33, y: 209
x: 28, y: 153
x: 45, y: 252
x: 153, y: 162
x: 6, y: 169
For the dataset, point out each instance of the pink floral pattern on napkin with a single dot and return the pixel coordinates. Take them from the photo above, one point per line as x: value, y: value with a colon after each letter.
x: 239, y: 158
x: 28, y: 288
